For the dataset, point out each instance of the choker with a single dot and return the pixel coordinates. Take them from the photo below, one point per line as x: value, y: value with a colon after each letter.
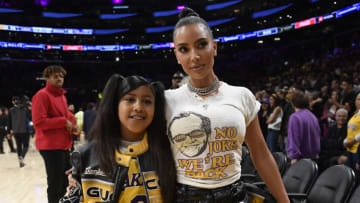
x: 213, y: 87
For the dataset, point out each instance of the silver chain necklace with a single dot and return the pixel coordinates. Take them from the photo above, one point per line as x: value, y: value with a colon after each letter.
x: 203, y: 91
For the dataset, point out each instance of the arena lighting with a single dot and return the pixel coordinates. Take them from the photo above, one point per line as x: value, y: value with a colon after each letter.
x: 180, y: 7
x: 218, y: 22
x: 60, y: 15
x: 268, y: 12
x: 166, y: 28
x: 117, y: 1
x: 221, y: 5
x: 109, y: 31
x: 8, y: 10
x: 121, y: 7
x: 42, y: 2
x: 166, y: 13
x: 116, y: 16
x: 167, y: 45
x: 347, y: 10
x: 158, y: 29
x: 17, y: 28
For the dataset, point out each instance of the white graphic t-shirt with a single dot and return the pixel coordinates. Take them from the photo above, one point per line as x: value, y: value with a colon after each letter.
x: 206, y: 135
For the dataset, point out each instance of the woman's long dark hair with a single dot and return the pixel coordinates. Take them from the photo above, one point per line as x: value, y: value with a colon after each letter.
x: 107, y: 131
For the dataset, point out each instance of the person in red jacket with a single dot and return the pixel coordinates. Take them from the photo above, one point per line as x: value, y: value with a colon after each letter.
x: 53, y: 130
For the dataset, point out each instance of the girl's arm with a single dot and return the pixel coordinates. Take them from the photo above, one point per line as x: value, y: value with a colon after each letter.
x: 264, y: 161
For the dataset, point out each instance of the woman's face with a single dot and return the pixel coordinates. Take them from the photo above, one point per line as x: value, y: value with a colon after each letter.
x: 272, y: 101
x: 334, y: 95
x: 195, y: 50
x: 264, y: 106
x: 136, y: 111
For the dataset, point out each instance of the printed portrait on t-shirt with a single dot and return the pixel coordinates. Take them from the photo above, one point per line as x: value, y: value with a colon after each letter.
x: 190, y: 132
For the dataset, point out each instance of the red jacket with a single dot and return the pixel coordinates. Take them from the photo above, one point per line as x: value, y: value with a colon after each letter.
x: 50, y: 113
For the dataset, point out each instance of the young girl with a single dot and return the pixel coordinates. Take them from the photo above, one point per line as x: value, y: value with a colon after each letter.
x: 130, y: 156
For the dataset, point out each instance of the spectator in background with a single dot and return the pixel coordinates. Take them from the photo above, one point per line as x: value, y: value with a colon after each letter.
x: 3, y: 125
x: 328, y: 115
x: 348, y: 96
x: 263, y: 115
x: 274, y: 123
x: 334, y: 86
x: 303, y: 130
x: 76, y: 131
x: 353, y: 137
x: 89, y: 119
x: 176, y: 79
x: 71, y: 108
x: 8, y: 137
x: 79, y: 116
x: 287, y: 110
x: 315, y: 104
x: 18, y: 126
x: 53, y: 127
x: 332, y: 147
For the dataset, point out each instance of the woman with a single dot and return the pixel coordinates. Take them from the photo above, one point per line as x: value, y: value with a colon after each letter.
x: 274, y: 123
x: 263, y: 115
x: 351, y: 143
x: 130, y: 155
x: 207, y: 122
x: 328, y: 115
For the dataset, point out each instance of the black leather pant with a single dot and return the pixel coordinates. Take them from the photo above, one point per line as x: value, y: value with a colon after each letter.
x: 234, y: 193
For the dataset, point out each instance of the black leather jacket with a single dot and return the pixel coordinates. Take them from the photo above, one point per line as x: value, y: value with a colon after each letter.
x: 85, y: 162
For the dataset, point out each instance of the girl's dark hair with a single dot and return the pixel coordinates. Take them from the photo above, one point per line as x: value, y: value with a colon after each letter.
x: 300, y: 100
x: 188, y: 16
x: 106, y: 131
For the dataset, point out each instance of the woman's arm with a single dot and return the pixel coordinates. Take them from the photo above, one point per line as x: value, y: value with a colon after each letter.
x: 273, y: 115
x: 264, y: 161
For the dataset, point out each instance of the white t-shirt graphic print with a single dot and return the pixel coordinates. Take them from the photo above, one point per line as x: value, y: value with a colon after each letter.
x: 206, y: 134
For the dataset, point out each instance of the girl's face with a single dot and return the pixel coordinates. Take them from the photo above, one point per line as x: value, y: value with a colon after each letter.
x: 136, y: 111
x: 195, y: 50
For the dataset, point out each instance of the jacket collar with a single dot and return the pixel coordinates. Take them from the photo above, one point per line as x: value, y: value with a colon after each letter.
x: 132, y: 151
x: 54, y: 90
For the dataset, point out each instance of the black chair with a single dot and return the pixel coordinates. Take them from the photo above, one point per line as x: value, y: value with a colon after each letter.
x: 334, y: 185
x: 281, y: 161
x: 247, y: 166
x: 248, y: 171
x: 355, y: 197
x: 300, y: 176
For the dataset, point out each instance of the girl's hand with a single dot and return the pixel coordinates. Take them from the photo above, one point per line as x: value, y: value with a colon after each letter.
x: 72, y: 182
